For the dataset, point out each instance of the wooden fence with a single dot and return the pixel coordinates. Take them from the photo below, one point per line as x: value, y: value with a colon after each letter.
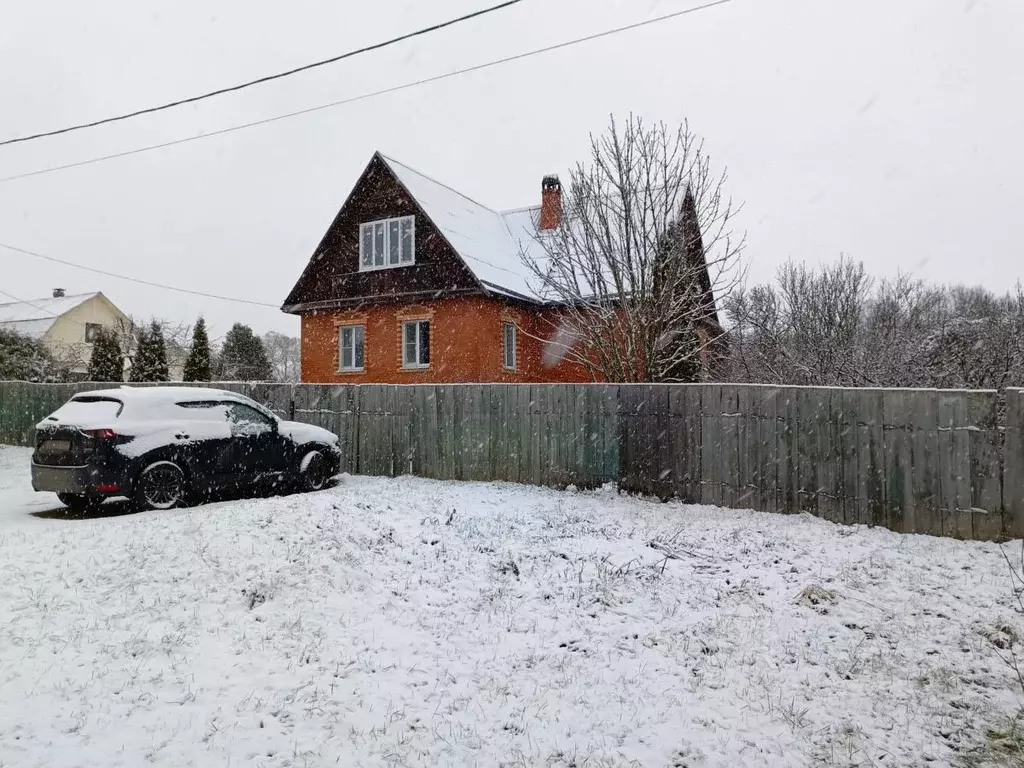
x: 922, y: 461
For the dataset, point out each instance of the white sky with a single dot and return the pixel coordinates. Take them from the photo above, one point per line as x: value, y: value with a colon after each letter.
x: 892, y: 131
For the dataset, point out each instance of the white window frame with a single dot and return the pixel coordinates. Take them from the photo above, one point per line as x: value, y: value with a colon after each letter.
x: 416, y: 364
x: 368, y: 236
x: 507, y: 325
x: 353, y: 327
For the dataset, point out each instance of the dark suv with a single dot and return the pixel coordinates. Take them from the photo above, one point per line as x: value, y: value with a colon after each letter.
x: 165, y: 446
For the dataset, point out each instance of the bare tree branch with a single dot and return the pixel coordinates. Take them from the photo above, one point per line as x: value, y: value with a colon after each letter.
x: 836, y: 326
x: 645, y: 249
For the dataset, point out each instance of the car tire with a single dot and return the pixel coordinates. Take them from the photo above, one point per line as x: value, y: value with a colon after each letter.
x: 79, y: 502
x: 161, y: 485
x: 314, y: 472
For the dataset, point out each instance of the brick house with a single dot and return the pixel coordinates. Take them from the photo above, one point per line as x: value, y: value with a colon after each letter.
x: 416, y: 283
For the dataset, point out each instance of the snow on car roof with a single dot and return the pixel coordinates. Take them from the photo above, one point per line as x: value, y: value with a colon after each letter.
x: 162, y: 394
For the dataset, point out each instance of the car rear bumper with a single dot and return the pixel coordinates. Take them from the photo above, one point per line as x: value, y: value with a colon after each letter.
x: 84, y: 480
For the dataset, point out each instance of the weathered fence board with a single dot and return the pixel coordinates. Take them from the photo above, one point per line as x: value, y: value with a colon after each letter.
x: 896, y: 448
x: 986, y: 491
x: 871, y: 483
x: 951, y: 455
x: 847, y: 458
x: 785, y: 450
x: 711, y: 444
x: 923, y: 461
x: 747, y: 484
x: 1013, y: 465
x: 923, y: 436
x: 768, y: 448
x: 807, y: 450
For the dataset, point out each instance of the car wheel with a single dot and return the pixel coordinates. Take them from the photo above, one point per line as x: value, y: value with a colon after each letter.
x: 161, y: 485
x: 78, y: 502
x: 314, y: 472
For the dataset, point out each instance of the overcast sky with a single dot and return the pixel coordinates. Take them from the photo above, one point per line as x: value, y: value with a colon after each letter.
x: 891, y: 131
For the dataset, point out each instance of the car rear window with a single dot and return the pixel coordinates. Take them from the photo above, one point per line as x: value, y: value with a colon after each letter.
x: 88, y: 409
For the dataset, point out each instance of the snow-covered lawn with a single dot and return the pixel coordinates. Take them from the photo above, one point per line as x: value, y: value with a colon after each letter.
x: 416, y: 623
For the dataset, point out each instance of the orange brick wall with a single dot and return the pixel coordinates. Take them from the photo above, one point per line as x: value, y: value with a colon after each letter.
x: 465, y: 344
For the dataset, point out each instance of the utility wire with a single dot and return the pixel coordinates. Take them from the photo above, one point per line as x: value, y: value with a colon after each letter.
x: 265, y: 79
x: 362, y: 97
x: 133, y: 279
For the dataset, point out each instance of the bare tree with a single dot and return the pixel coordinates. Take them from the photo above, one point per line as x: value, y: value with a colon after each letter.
x: 284, y: 356
x: 644, y: 248
x: 177, y: 337
x: 835, y: 325
x: 978, y: 341
x: 898, y: 318
x: 804, y: 332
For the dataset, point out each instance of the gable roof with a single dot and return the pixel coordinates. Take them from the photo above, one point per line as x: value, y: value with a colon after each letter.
x: 488, y: 241
x: 489, y: 244
x: 36, y: 316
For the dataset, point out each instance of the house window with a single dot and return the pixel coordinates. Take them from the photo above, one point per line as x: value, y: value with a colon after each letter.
x: 508, y: 345
x: 416, y: 344
x: 387, y: 243
x: 351, y: 348
x: 92, y: 330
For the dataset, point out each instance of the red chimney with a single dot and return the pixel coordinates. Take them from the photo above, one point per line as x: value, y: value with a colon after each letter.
x: 550, y: 203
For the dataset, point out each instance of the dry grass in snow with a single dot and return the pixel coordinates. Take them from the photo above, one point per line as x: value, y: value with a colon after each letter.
x: 416, y: 623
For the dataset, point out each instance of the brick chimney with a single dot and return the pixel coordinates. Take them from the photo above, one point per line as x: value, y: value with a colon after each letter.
x: 550, y: 203
x: 58, y: 293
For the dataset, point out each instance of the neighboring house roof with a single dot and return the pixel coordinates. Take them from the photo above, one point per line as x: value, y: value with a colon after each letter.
x: 490, y: 242
x: 36, y: 316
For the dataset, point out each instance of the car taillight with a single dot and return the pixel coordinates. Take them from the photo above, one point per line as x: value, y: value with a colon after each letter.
x: 101, y: 434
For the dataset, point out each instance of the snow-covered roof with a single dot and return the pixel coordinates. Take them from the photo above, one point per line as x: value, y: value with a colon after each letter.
x: 489, y: 241
x: 36, y: 316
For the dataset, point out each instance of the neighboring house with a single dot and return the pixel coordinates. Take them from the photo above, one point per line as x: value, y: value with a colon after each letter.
x: 66, y: 325
x: 417, y: 283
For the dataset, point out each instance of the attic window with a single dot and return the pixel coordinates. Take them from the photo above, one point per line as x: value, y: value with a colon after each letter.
x: 387, y: 243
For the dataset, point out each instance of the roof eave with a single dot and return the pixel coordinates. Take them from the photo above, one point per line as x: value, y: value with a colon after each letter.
x: 493, y: 289
x: 327, y: 304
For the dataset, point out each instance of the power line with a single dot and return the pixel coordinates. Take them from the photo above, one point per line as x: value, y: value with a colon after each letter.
x: 133, y: 279
x: 265, y: 79
x: 363, y: 97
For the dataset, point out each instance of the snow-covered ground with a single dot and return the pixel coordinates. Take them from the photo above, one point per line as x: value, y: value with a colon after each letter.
x: 416, y: 623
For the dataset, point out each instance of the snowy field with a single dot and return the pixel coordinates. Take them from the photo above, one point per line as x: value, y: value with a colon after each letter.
x: 416, y: 623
